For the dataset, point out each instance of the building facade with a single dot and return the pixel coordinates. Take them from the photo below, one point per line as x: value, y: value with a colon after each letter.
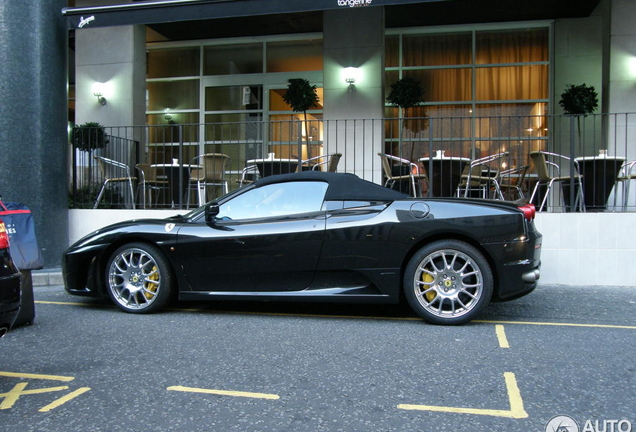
x: 209, y: 63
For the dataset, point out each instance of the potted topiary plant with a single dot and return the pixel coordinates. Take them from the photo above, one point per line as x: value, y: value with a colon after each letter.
x: 579, y: 100
x: 406, y: 93
x: 90, y: 136
x: 86, y: 138
x: 301, y: 96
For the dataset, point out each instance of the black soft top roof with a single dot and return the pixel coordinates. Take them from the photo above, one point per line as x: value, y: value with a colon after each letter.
x: 341, y: 186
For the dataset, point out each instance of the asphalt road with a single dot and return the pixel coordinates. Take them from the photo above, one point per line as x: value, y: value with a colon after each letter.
x: 86, y: 366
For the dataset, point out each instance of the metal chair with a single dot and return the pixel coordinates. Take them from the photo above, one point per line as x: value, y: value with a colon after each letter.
x: 150, y: 182
x: 114, y: 172
x: 480, y: 175
x: 330, y: 161
x: 626, y: 174
x: 549, y: 172
x: 407, y: 171
x: 207, y: 170
x: 249, y: 174
x: 512, y: 181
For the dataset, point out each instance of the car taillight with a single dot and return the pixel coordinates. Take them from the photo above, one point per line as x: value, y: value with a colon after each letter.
x: 4, y: 236
x: 529, y: 211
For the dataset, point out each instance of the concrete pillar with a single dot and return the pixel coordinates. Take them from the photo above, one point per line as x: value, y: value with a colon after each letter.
x: 116, y: 57
x: 354, y: 37
x: 622, y: 87
x: 33, y: 139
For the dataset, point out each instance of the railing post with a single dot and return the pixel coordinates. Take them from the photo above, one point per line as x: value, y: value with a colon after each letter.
x: 429, y: 173
x: 181, y: 167
x: 572, y: 146
x: 300, y: 146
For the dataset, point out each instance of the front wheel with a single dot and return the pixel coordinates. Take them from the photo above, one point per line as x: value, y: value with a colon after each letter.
x: 138, y: 278
x: 448, y: 282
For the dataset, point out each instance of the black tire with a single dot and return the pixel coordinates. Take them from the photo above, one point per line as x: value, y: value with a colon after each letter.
x: 138, y: 278
x: 448, y: 282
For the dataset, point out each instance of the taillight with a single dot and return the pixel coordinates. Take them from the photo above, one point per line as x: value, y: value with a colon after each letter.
x: 4, y: 236
x: 529, y: 211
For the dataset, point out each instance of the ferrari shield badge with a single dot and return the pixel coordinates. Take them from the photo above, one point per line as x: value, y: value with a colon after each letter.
x: 169, y: 227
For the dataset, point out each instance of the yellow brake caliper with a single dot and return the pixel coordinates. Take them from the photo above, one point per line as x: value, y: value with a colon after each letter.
x: 151, y: 287
x: 427, y: 278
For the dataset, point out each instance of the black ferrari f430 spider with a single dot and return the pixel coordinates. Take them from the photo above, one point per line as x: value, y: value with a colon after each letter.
x: 323, y: 237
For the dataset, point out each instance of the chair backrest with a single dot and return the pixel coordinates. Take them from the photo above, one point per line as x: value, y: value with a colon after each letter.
x: 332, y: 166
x: 388, y: 161
x: 111, y: 169
x: 514, y: 176
x: 541, y: 165
x: 148, y: 173
x: 214, y: 166
x: 480, y: 171
x: 331, y: 162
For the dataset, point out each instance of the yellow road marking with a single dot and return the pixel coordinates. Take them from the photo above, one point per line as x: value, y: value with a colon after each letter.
x: 604, y: 326
x: 36, y: 376
x: 61, y: 401
x: 516, y: 410
x: 538, y: 323
x: 501, y: 336
x: 18, y: 390
x: 224, y: 392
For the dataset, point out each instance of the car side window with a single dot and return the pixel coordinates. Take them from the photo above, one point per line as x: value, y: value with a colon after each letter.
x: 278, y: 199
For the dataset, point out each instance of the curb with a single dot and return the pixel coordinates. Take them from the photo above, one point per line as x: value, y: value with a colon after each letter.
x: 47, y: 277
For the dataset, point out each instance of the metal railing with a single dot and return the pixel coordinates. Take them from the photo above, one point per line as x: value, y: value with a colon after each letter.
x: 596, y: 145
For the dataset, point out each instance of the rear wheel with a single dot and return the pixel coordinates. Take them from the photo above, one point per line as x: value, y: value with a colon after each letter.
x: 138, y: 278
x: 448, y: 282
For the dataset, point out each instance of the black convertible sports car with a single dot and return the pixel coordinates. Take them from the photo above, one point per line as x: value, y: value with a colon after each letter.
x: 316, y: 236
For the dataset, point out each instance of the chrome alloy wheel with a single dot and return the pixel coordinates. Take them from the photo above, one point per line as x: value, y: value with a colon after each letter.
x: 448, y: 283
x: 134, y: 279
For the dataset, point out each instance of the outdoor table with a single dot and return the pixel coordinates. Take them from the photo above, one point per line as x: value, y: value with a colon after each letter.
x: 599, y: 175
x: 446, y: 175
x: 272, y: 166
x: 177, y: 175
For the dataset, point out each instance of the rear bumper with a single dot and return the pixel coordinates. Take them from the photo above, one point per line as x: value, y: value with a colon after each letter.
x: 9, y: 299
x: 519, y: 268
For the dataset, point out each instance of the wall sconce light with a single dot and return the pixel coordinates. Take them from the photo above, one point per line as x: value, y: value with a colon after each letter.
x: 350, y: 77
x: 167, y: 114
x: 98, y: 90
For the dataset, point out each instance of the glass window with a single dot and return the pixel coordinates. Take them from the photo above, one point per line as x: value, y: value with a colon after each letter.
x: 168, y: 63
x: 233, y: 98
x: 233, y: 59
x: 437, y: 50
x: 392, y: 51
x: 176, y: 95
x: 294, y: 56
x: 275, y: 200
x: 444, y: 85
x: 512, y: 83
x: 232, y: 127
x: 512, y: 46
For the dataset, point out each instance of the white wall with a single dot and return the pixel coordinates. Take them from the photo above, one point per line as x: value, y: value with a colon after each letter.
x: 579, y: 249
x: 354, y: 37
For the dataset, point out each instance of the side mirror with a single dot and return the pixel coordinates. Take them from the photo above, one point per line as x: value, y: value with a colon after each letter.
x: 211, y: 212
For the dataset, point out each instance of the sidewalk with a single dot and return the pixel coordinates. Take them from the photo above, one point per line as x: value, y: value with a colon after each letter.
x: 47, y: 277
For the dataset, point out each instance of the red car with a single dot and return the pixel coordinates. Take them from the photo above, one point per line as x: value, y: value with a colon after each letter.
x: 10, y: 279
